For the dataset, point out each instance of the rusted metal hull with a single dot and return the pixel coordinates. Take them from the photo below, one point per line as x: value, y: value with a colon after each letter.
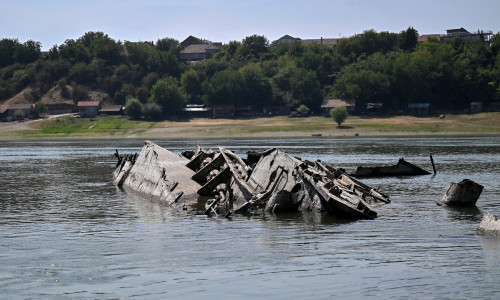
x: 273, y: 182
x: 402, y: 168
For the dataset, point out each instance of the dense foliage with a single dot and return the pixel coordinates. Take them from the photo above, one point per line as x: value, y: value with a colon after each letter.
x: 391, y: 68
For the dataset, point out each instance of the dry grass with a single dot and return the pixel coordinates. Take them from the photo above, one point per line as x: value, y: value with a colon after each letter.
x: 119, y: 128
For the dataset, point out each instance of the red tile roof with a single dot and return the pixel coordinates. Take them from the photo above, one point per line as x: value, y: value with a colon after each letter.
x: 88, y: 103
x: 331, y: 103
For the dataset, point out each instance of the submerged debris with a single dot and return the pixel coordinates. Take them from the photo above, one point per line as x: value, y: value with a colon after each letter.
x: 402, y: 168
x: 224, y: 184
x: 464, y: 193
x: 490, y: 225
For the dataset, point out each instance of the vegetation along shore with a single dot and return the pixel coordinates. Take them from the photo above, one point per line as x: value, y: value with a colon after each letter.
x: 250, y: 88
x: 73, y: 127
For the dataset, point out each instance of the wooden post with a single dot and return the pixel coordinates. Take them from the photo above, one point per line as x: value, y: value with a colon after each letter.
x: 432, y: 162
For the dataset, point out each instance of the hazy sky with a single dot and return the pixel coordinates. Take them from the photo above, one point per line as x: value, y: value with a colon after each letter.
x: 53, y: 21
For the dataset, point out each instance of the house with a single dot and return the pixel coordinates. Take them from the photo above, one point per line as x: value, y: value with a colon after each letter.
x: 419, y: 108
x: 245, y: 111
x: 374, y: 108
x: 191, y: 40
x: 481, y: 35
x: 61, y: 108
x: 286, y: 40
x: 196, y: 111
x: 194, y: 49
x: 111, y: 110
x: 9, y: 112
x: 276, y: 110
x: 199, y: 52
x: 330, y: 104
x: 222, y: 111
x: 427, y: 37
x: 330, y: 42
x: 88, y: 108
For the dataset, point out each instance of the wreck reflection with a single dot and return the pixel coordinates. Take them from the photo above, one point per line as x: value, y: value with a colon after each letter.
x: 469, y: 213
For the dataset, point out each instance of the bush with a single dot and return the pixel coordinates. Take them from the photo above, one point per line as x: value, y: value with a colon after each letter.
x: 303, y: 110
x: 133, y: 108
x: 79, y: 93
x: 38, y: 110
x: 339, y: 114
x: 151, y: 111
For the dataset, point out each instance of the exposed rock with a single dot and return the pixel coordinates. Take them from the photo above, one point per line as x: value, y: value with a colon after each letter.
x: 490, y: 225
x: 464, y: 193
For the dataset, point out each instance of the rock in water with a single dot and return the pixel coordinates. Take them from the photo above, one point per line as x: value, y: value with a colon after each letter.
x: 464, y: 193
x: 490, y: 225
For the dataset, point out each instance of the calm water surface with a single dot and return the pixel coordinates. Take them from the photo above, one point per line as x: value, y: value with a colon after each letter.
x: 67, y: 232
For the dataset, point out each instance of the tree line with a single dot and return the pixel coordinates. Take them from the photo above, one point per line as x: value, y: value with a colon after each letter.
x: 382, y: 67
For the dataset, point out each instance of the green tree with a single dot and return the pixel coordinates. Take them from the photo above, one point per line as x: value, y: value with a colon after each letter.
x: 37, y: 110
x: 106, y: 49
x: 408, y: 39
x: 256, y: 89
x: 168, y: 94
x: 255, y: 45
x: 339, y: 114
x: 7, y: 49
x: 151, y: 111
x: 224, y: 88
x: 191, y: 83
x: 303, y: 110
x: 133, y: 108
x: 168, y: 44
x: 27, y: 52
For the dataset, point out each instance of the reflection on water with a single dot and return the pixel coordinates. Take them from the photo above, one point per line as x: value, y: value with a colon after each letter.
x: 66, y: 230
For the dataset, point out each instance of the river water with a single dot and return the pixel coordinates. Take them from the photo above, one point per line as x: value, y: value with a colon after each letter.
x: 67, y: 232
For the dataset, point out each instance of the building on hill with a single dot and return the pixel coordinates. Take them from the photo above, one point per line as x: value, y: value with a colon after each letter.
x: 88, y: 109
x: 10, y: 112
x: 330, y: 104
x: 480, y: 35
x: 288, y: 40
x: 224, y: 111
x: 194, y: 49
x: 196, y: 111
x: 191, y: 40
x: 330, y: 42
x: 111, y: 110
x: 418, y: 109
x: 199, y: 52
x: 427, y: 37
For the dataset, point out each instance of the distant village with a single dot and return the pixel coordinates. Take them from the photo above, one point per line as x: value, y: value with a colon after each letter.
x: 195, y: 49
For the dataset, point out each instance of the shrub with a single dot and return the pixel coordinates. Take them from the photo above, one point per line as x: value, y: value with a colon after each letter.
x: 151, y: 111
x: 339, y: 114
x: 133, y: 108
x: 303, y: 110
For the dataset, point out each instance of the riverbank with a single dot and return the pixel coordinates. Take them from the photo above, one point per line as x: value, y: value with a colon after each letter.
x: 73, y: 127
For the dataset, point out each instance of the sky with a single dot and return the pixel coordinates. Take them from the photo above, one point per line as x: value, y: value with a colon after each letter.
x: 51, y: 22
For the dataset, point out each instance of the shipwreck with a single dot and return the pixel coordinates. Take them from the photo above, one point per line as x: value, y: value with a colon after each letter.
x: 222, y: 183
x: 402, y: 168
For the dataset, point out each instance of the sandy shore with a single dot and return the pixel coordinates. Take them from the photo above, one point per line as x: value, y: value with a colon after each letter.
x: 487, y: 124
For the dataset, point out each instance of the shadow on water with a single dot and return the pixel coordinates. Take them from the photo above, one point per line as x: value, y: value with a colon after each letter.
x: 464, y: 213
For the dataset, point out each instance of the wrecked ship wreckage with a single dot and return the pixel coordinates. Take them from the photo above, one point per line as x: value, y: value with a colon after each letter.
x: 222, y: 183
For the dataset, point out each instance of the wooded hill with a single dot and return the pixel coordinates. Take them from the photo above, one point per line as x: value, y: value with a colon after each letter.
x: 388, y: 68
